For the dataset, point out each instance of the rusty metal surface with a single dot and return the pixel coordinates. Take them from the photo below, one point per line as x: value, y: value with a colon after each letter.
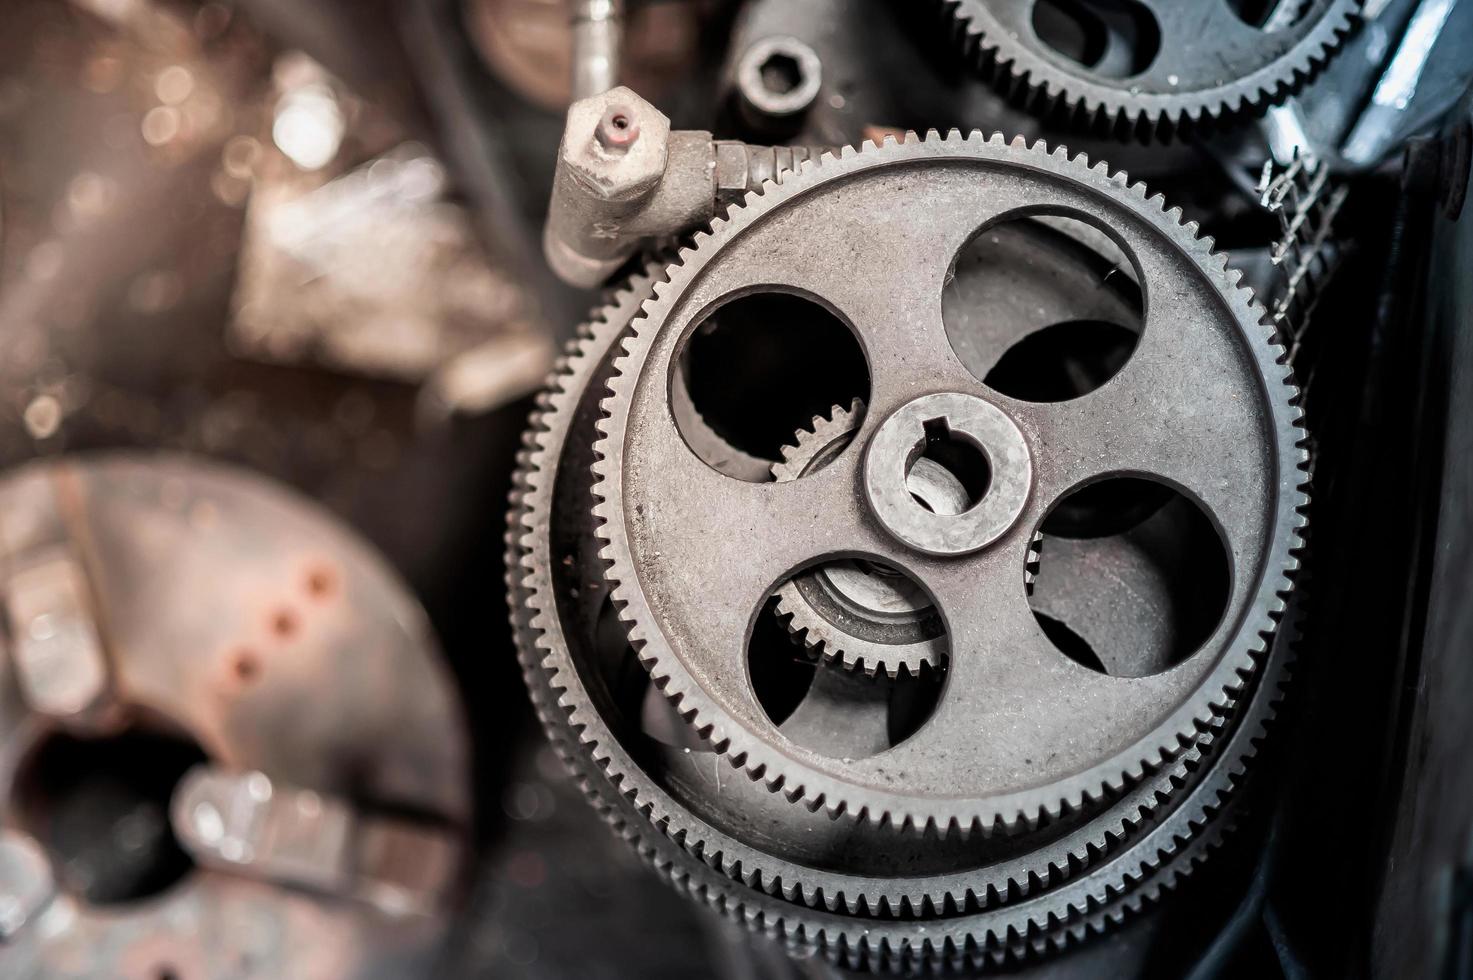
x: 239, y: 618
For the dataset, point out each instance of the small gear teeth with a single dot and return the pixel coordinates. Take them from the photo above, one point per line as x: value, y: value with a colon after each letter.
x: 822, y: 431
x: 1030, y: 567
x: 827, y: 434
x: 634, y: 806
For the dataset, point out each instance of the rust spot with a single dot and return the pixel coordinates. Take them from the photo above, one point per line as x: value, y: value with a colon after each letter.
x: 245, y: 665
x: 321, y: 582
x: 285, y: 625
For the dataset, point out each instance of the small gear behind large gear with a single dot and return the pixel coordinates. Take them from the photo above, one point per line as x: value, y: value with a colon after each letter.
x: 1149, y: 68
x: 859, y: 613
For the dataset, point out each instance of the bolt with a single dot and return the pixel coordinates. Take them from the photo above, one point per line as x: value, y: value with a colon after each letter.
x: 618, y: 130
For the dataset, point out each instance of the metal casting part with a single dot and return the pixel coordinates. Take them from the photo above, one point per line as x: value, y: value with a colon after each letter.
x: 610, y: 197
x: 238, y: 620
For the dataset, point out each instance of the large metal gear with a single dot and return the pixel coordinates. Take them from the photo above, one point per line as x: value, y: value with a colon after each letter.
x: 666, y: 514
x: 1149, y: 68
x: 660, y: 795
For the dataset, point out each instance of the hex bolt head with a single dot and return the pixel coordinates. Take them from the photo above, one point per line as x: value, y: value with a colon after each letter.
x: 778, y: 78
x: 615, y: 146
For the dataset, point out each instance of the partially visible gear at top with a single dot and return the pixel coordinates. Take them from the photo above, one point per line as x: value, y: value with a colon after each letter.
x: 859, y: 613
x: 1149, y: 68
x: 1203, y: 402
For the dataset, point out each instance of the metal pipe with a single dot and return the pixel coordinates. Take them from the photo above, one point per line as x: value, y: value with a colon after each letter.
x: 598, y: 36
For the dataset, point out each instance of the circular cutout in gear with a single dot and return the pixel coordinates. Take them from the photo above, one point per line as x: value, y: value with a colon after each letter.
x: 694, y: 553
x: 1148, y: 68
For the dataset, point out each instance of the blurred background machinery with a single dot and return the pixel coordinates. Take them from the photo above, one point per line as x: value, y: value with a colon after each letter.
x: 279, y: 282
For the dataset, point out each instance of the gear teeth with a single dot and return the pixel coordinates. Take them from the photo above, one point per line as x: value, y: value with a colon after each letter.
x: 625, y: 587
x: 1037, y: 84
x: 1169, y: 831
x: 818, y: 637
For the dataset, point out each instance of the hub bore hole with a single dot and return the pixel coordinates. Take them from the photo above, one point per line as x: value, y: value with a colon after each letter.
x: 947, y: 474
x: 1043, y: 308
x: 755, y: 371
x: 1133, y: 577
x: 100, y: 807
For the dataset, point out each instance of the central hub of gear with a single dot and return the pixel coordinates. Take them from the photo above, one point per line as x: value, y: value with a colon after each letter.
x: 988, y: 496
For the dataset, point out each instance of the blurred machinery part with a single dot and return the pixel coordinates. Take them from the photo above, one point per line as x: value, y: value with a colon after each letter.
x: 1427, y: 71
x: 1423, y: 920
x: 529, y: 45
x: 598, y: 45
x: 279, y: 785
x: 373, y: 270
x: 119, y: 262
x: 1398, y: 74
x: 856, y: 812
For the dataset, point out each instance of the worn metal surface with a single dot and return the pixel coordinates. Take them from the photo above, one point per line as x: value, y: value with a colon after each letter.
x: 238, y: 619
x: 809, y: 880
x: 1203, y: 405
x: 1165, y: 67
